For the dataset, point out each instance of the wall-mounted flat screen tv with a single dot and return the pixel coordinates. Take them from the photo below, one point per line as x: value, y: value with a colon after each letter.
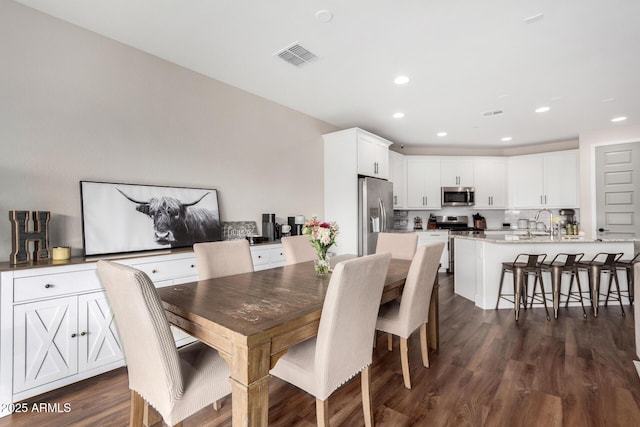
x: 119, y: 218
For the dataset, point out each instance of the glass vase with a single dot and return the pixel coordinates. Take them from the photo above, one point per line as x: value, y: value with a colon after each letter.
x: 321, y: 266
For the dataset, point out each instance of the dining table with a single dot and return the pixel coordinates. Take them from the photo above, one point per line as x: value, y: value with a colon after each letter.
x: 252, y: 319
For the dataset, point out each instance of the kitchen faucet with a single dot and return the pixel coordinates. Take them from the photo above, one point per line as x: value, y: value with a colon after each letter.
x: 550, y: 227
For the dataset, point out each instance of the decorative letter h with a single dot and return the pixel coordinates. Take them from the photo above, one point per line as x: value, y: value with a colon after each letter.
x: 21, y: 236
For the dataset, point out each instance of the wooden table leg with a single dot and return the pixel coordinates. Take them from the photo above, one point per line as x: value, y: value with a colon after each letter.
x: 250, y: 385
x: 434, y: 318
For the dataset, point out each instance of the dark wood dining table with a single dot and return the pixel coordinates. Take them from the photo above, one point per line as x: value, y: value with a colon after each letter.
x: 253, y: 318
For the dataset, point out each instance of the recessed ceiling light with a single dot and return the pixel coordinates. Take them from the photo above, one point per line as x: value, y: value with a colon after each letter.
x: 398, y: 115
x: 324, y: 16
x: 401, y: 80
x: 534, y: 18
x: 542, y: 109
x: 442, y: 134
x: 619, y: 119
x: 506, y: 139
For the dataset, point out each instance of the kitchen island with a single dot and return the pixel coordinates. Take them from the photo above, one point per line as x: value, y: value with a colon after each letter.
x: 479, y: 258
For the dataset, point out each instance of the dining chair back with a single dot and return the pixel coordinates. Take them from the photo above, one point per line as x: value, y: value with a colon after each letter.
x: 344, y: 344
x: 402, y: 317
x: 298, y: 249
x: 218, y: 259
x: 176, y: 383
x: 400, y: 245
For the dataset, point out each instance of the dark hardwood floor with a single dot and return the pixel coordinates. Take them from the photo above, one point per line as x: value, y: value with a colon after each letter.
x: 489, y: 371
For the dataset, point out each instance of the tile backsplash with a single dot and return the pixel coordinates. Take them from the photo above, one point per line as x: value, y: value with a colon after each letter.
x: 495, y: 218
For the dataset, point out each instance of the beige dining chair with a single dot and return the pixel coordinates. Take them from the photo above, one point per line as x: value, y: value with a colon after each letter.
x: 298, y: 249
x: 401, y: 245
x: 177, y: 383
x: 344, y: 344
x: 218, y: 259
x: 404, y: 315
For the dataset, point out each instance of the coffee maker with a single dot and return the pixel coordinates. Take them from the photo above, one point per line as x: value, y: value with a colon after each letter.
x: 569, y: 217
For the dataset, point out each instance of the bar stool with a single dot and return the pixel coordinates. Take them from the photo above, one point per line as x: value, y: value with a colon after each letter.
x: 602, y: 263
x: 627, y: 265
x: 521, y: 271
x: 564, y: 263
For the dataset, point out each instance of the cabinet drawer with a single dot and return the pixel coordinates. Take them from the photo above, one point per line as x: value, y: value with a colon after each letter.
x: 276, y: 256
x: 50, y: 285
x: 260, y: 256
x: 163, y: 270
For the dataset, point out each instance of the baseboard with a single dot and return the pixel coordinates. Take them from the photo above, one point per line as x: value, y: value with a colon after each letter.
x: 637, y: 363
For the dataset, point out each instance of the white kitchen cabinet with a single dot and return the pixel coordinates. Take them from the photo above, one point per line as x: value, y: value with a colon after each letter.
x: 342, y: 164
x: 438, y: 236
x: 423, y: 182
x: 456, y: 172
x: 373, y: 155
x: 398, y: 176
x: 490, y: 182
x: 547, y: 180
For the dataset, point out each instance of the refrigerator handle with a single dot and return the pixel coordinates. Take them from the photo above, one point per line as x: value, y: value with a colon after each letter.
x: 383, y: 215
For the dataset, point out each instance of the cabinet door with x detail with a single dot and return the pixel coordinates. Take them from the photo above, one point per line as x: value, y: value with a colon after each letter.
x: 45, y: 342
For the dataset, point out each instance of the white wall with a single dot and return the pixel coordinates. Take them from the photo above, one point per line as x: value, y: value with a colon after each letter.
x: 78, y: 106
x: 588, y: 143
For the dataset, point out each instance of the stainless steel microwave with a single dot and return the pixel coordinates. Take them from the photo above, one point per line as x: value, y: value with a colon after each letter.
x: 458, y: 196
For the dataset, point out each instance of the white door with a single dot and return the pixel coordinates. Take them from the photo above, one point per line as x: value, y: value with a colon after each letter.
x: 618, y: 190
x: 45, y: 342
x: 98, y: 335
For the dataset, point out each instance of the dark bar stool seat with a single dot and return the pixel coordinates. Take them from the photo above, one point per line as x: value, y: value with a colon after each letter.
x: 522, y: 267
x: 602, y: 263
x: 564, y: 263
x: 627, y: 265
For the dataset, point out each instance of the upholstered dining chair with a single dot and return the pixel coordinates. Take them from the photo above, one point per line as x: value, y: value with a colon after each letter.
x: 401, y: 245
x: 411, y: 311
x: 218, y: 259
x: 298, y: 249
x: 177, y: 383
x: 344, y: 344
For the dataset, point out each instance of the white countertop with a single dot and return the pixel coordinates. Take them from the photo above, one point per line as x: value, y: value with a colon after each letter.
x: 512, y: 238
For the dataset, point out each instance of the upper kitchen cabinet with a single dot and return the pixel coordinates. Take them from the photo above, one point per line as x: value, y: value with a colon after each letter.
x: 490, y: 182
x: 347, y: 154
x: 547, y: 180
x: 456, y: 172
x: 398, y: 176
x: 423, y: 182
x: 373, y: 155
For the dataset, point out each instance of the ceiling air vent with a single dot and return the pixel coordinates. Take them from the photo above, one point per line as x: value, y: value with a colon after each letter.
x: 492, y: 113
x: 296, y: 55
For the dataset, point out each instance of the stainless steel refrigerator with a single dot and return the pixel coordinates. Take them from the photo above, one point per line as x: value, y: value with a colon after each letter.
x: 375, y: 212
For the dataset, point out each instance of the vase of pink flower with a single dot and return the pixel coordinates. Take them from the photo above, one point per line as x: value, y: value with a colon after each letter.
x: 322, y: 236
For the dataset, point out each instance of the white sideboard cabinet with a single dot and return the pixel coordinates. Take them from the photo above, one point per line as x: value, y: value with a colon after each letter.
x: 56, y: 326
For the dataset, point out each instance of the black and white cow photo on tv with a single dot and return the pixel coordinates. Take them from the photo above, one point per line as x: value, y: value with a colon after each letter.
x: 177, y: 223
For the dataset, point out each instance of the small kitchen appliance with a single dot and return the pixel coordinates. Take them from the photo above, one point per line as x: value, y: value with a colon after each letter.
x: 417, y: 223
x: 269, y: 226
x: 458, y: 196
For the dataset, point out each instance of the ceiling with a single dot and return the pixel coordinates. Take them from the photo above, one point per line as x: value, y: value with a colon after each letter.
x: 464, y: 58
